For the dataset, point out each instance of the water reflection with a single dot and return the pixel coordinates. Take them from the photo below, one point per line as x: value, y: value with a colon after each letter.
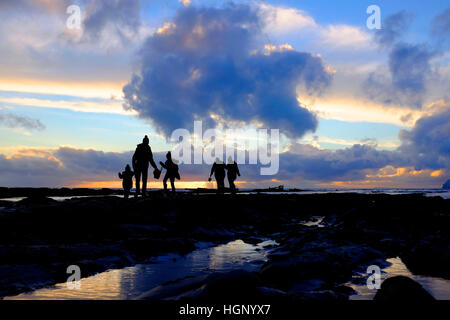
x: 438, y: 287
x: 315, y: 221
x: 128, y: 283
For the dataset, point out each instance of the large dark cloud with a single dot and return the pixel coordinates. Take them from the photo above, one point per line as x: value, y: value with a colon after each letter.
x: 205, y: 63
x: 409, y: 67
x: 11, y: 120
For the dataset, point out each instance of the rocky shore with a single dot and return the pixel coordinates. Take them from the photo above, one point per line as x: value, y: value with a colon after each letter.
x: 40, y: 238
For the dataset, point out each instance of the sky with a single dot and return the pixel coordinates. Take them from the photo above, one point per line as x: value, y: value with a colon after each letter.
x: 355, y: 107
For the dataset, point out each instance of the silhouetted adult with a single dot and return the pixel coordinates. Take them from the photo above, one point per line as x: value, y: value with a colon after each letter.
x: 218, y: 169
x: 141, y: 157
x: 232, y: 171
x: 171, y: 171
x: 127, y: 183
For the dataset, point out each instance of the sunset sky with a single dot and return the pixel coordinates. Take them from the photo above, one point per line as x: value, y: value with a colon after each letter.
x: 355, y: 107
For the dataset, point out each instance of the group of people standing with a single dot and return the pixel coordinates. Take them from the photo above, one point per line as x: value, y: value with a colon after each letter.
x: 143, y: 156
x: 218, y: 169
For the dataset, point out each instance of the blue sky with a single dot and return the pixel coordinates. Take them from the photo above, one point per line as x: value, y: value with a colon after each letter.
x: 64, y: 88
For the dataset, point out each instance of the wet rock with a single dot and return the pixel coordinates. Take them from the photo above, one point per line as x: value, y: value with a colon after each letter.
x: 36, y: 200
x: 402, y: 288
x: 428, y: 258
x: 360, y: 229
x: 234, y: 285
x: 271, y: 292
x: 330, y: 264
x: 173, y: 289
x: 252, y: 240
x: 307, y: 285
x: 321, y: 295
x: 211, y: 234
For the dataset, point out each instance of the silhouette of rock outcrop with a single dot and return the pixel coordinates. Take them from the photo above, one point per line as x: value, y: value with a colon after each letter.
x: 402, y: 288
x: 446, y: 185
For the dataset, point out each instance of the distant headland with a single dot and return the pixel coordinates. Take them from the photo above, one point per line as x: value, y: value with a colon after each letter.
x: 446, y: 185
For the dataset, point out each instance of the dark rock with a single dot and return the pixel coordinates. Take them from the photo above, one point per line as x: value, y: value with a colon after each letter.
x: 428, y: 258
x: 173, y: 289
x: 328, y: 264
x: 237, y: 285
x: 402, y: 288
x: 252, y: 240
x: 307, y: 285
x: 360, y: 229
x: 321, y: 295
x: 36, y: 200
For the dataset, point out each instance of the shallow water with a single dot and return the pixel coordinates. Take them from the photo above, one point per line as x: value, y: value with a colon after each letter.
x: 437, y: 287
x: 130, y: 282
x: 316, y: 221
x: 17, y: 199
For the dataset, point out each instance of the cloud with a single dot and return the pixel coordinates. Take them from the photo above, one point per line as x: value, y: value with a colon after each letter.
x: 64, y: 166
x: 118, y: 20
x: 423, y: 159
x: 111, y: 106
x: 280, y: 20
x: 204, y: 66
x: 308, y: 162
x: 406, y: 82
x: 393, y: 177
x: 345, y: 36
x: 441, y: 25
x: 394, y: 27
x: 428, y: 143
x: 409, y: 67
x: 10, y: 120
x: 46, y: 5
x: 185, y: 2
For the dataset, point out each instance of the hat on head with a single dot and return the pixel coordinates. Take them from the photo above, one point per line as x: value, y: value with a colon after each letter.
x: 145, y: 140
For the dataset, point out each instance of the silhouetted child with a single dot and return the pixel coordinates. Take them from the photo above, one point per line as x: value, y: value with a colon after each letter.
x: 127, y: 183
x: 232, y: 171
x: 171, y: 171
x: 218, y: 169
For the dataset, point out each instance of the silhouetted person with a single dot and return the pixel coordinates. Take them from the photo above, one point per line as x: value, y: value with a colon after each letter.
x: 218, y: 169
x: 141, y: 157
x: 127, y: 183
x: 232, y: 171
x: 171, y: 171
